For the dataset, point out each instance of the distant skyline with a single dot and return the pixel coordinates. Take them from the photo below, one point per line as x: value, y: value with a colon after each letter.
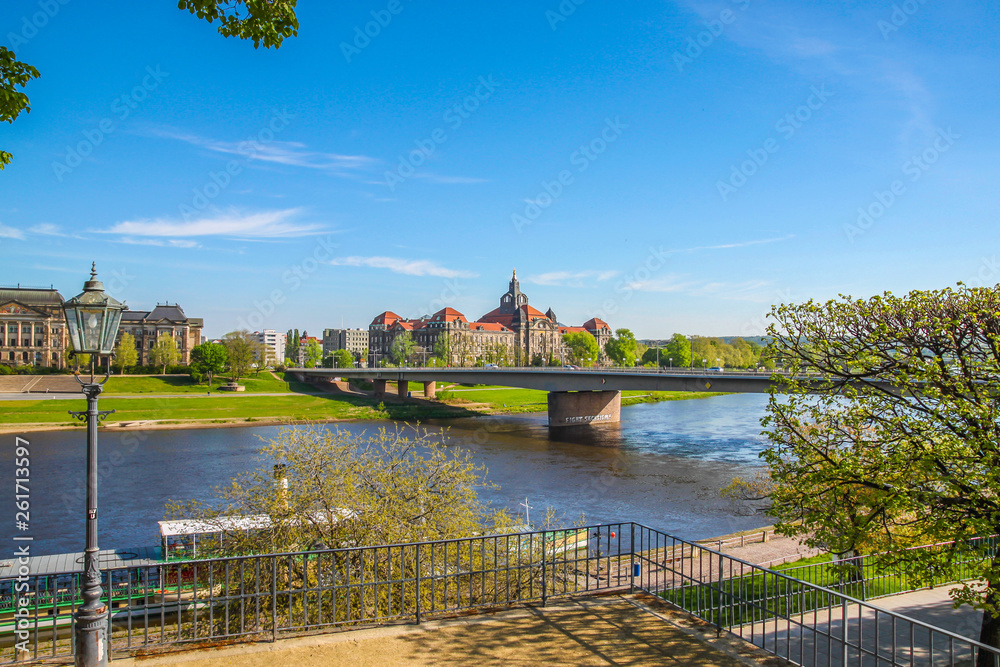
x: 666, y: 166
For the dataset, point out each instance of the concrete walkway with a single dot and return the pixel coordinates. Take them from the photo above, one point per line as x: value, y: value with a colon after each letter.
x: 611, y: 630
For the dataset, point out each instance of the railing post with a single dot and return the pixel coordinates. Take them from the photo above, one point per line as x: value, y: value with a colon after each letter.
x: 274, y: 598
x: 418, y: 583
x: 843, y: 614
x: 718, y: 610
x: 545, y: 595
x: 631, y: 560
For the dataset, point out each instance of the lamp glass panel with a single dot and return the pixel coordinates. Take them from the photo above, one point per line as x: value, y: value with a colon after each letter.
x: 93, y: 326
x: 112, y: 322
x: 73, y: 328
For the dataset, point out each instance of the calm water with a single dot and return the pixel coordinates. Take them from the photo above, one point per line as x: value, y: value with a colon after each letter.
x: 663, y: 465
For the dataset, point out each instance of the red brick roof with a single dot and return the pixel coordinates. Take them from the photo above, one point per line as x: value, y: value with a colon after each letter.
x: 403, y: 324
x: 388, y: 318
x: 566, y: 330
x: 596, y: 323
x: 487, y: 326
x: 448, y: 315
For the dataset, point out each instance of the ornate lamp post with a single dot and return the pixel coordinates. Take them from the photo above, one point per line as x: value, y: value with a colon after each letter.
x: 92, y: 320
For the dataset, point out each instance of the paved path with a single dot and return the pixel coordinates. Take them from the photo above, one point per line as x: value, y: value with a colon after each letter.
x: 613, y: 630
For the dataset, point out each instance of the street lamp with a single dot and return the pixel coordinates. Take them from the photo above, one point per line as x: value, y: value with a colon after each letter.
x: 92, y: 320
x: 704, y: 364
x: 671, y: 360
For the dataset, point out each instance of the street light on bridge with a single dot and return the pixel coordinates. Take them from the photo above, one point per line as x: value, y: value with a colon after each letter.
x: 92, y: 320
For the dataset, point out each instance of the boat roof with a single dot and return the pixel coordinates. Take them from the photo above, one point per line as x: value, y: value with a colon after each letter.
x: 230, y: 524
x: 73, y: 562
x: 222, y: 524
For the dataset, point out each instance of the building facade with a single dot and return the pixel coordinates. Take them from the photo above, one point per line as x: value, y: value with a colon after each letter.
x: 275, y: 342
x: 514, y: 333
x: 146, y: 326
x: 354, y: 341
x: 32, y: 327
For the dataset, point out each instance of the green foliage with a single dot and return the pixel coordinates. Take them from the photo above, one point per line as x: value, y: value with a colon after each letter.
x: 582, y: 347
x: 402, y: 348
x: 242, y: 349
x: 266, y: 22
x: 442, y: 350
x: 208, y: 359
x: 900, y: 443
x: 343, y: 359
x: 13, y: 75
x: 164, y: 352
x: 622, y: 348
x: 314, y: 353
x: 125, y: 353
x: 678, y: 350
x: 382, y: 488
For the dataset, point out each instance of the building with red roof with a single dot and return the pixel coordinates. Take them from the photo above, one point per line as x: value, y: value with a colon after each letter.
x: 514, y: 333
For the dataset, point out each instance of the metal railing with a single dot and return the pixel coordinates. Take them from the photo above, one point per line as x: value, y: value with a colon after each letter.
x: 867, y: 578
x: 801, y: 622
x: 267, y: 596
x: 264, y: 596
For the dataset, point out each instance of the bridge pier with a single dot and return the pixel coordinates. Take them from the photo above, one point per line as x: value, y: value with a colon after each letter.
x: 575, y: 408
x: 379, y: 388
x: 430, y: 390
x: 402, y: 388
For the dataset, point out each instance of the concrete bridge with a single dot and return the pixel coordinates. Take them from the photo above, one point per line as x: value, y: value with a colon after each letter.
x: 576, y: 397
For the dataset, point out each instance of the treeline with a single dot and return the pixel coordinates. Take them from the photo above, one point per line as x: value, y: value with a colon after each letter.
x: 683, y: 352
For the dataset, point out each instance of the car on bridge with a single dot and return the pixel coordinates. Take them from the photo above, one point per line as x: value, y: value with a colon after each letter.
x: 715, y: 369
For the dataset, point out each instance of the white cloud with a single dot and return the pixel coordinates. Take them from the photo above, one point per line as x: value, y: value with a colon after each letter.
x: 292, y: 153
x: 449, y: 180
x: 748, y: 290
x: 669, y: 283
x: 266, y: 224
x: 410, y: 267
x: 570, y: 278
x: 10, y: 233
x: 170, y: 243
x: 726, y: 246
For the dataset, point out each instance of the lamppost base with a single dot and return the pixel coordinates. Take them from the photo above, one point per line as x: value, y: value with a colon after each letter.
x: 92, y: 640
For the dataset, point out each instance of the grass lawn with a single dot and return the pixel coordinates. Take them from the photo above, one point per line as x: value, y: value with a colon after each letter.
x: 225, y: 408
x: 182, y: 384
x: 507, y: 399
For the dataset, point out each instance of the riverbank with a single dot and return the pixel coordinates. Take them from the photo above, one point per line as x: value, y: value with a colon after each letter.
x: 173, y: 403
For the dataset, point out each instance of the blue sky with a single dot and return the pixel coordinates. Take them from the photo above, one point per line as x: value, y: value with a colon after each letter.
x: 667, y: 166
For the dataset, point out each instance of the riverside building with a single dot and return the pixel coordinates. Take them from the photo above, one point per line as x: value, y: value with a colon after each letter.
x: 514, y: 333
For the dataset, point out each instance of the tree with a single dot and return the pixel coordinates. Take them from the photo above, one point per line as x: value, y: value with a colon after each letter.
x: 13, y: 75
x: 266, y: 22
x: 402, y: 348
x: 241, y: 352
x: 125, y: 353
x: 208, y: 359
x: 326, y: 489
x: 314, y: 353
x: 343, y: 359
x: 442, y: 350
x: 164, y: 352
x: 382, y: 488
x: 900, y: 442
x: 678, y: 349
x: 582, y: 347
x: 622, y: 348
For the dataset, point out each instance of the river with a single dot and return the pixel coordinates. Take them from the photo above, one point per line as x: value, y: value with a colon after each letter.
x: 663, y: 466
